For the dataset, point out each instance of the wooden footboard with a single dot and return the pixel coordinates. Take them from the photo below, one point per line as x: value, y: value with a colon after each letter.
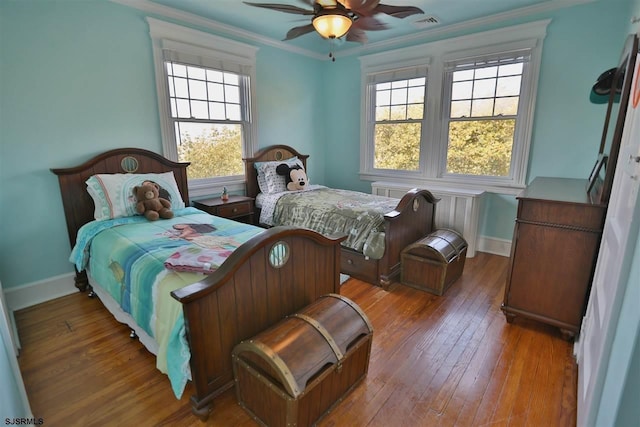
x: 411, y: 219
x: 272, y: 275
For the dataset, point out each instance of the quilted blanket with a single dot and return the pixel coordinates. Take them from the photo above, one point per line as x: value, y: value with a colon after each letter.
x: 128, y: 258
x: 359, y: 216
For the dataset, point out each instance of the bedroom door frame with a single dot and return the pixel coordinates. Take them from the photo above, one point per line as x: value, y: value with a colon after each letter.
x: 601, y: 350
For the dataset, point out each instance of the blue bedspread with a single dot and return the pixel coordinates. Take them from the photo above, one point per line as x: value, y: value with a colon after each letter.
x: 127, y: 257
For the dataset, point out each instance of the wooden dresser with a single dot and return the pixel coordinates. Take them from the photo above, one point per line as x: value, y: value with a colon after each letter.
x: 553, y: 253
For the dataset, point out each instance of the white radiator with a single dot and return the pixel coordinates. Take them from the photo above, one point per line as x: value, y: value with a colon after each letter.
x: 457, y: 209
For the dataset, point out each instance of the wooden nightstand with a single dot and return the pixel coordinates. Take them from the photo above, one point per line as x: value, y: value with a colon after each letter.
x: 239, y: 208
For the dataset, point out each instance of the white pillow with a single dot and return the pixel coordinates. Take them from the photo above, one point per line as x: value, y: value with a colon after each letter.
x: 113, y: 195
x: 268, y: 180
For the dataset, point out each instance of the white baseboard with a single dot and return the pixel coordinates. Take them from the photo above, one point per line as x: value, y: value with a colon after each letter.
x: 20, y: 297
x: 494, y: 246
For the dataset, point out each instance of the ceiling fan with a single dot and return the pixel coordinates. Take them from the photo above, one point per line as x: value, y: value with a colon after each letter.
x: 333, y: 19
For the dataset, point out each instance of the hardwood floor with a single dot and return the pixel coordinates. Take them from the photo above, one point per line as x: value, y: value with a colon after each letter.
x: 435, y: 361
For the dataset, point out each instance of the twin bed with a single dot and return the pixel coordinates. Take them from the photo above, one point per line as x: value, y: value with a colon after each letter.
x: 272, y: 274
x: 149, y: 274
x: 378, y: 228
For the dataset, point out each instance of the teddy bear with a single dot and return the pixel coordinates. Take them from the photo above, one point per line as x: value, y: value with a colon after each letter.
x: 150, y: 204
x: 295, y: 176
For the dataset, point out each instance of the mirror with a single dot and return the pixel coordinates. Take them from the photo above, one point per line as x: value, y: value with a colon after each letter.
x: 620, y: 86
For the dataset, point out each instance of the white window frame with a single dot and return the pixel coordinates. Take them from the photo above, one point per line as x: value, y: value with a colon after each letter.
x: 436, y: 55
x: 416, y: 69
x: 210, y: 51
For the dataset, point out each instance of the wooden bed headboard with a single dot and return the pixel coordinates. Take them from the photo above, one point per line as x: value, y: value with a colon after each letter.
x: 78, y: 204
x: 267, y: 154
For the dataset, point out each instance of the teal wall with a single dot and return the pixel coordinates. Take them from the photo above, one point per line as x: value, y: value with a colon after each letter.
x: 77, y: 79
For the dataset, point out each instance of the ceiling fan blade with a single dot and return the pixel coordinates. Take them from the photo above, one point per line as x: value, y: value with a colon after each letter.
x: 357, y: 35
x: 369, y: 23
x: 299, y: 31
x: 282, y: 8
x: 361, y: 7
x: 399, y: 11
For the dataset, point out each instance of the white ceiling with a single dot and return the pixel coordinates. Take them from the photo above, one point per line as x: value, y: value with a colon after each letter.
x: 272, y: 26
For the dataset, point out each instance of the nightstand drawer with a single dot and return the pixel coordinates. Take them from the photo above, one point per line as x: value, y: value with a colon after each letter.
x: 236, y: 209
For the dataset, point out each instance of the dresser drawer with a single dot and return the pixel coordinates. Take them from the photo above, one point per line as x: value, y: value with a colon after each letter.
x: 235, y: 209
x: 567, y: 214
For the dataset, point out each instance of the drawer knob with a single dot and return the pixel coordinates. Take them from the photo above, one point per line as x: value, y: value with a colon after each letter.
x: 349, y: 261
x: 235, y: 210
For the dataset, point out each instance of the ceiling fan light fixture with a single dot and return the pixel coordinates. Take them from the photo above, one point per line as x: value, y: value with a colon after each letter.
x: 332, y: 23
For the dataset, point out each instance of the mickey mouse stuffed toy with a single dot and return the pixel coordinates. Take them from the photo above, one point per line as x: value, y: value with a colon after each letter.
x: 295, y: 176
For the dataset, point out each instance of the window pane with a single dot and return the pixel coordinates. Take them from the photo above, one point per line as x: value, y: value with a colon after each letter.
x: 213, y: 149
x: 484, y: 88
x: 231, y: 79
x: 197, y: 89
x: 508, y: 86
x: 181, y: 88
x: 483, y: 73
x: 397, y: 146
x: 399, y: 96
x: 462, y: 75
x: 418, y: 82
x: 461, y: 109
x: 382, y: 113
x: 183, y: 108
x: 179, y: 70
x: 214, y: 76
x: 507, y: 106
x: 398, y: 112
x: 199, y: 110
x: 216, y: 111
x: 383, y: 97
x: 510, y: 70
x: 461, y: 90
x: 415, y: 111
x: 216, y: 92
x: 383, y: 86
x: 416, y: 94
x: 233, y: 112
x: 482, y: 107
x: 480, y: 147
x: 196, y: 73
x: 232, y: 94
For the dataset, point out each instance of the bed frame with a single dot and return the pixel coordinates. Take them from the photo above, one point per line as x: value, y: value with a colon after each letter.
x: 411, y: 220
x: 246, y: 295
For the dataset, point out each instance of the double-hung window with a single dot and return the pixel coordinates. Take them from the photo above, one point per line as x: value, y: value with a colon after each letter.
x: 205, y: 98
x: 481, y: 114
x: 468, y: 124
x: 398, y: 117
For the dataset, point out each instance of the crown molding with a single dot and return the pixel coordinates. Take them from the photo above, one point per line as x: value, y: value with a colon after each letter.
x: 192, y: 19
x: 522, y: 12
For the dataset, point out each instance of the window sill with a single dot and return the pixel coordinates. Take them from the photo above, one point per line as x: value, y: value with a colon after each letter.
x: 205, y: 189
x: 442, y: 185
